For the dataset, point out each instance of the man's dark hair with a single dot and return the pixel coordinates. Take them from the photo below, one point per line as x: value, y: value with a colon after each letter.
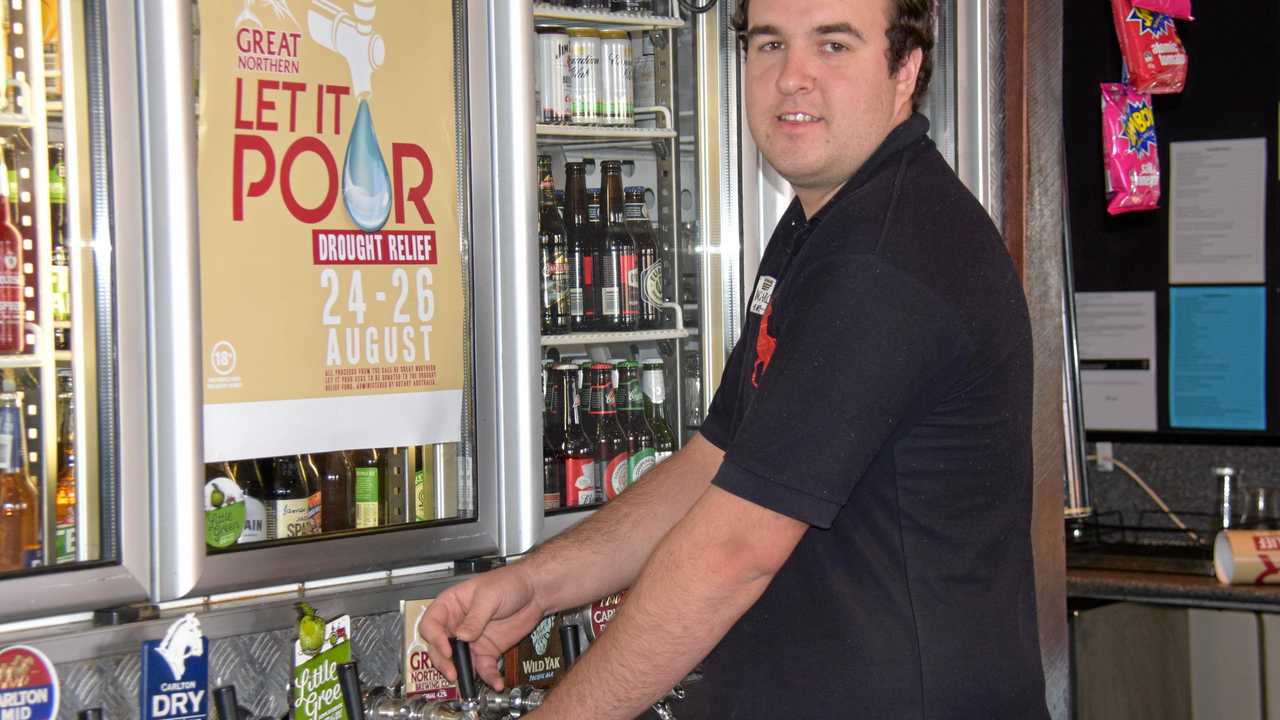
x: 910, y: 27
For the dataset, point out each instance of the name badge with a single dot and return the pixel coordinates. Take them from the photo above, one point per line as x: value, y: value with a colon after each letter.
x: 764, y: 291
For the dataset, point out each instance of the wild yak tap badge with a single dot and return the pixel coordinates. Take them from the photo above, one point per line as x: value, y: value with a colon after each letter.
x: 175, y: 673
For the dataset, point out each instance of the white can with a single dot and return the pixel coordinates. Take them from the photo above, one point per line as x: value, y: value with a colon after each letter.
x: 584, y: 76
x: 617, y: 94
x: 552, y: 78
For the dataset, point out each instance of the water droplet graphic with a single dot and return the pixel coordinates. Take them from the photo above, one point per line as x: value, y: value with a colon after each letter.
x: 366, y: 185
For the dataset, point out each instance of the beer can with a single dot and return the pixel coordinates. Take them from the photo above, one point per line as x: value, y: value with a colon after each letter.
x: 552, y: 77
x: 584, y: 76
x: 617, y: 95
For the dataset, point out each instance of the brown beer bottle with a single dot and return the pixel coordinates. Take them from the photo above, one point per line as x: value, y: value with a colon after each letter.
x: 553, y: 249
x: 616, y: 258
x: 337, y: 502
x: 648, y: 260
x: 611, y: 442
x: 581, y: 249
x: 575, y: 450
x: 287, y: 499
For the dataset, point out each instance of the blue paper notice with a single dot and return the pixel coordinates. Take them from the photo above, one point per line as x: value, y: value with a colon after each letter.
x: 1217, y: 353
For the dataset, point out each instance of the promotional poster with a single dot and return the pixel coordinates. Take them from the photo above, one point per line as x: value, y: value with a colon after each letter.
x: 330, y: 251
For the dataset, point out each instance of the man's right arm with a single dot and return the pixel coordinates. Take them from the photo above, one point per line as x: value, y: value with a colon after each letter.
x: 604, y: 553
x: 601, y: 555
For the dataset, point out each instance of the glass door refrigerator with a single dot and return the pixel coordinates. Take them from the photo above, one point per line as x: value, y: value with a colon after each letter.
x: 637, y: 311
x: 331, y: 193
x: 74, y: 431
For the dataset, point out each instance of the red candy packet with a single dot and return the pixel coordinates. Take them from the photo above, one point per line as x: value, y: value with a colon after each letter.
x: 1156, y: 59
x: 1129, y: 150
x: 1180, y: 9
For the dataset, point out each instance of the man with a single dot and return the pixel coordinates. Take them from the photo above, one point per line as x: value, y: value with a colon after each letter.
x: 849, y: 535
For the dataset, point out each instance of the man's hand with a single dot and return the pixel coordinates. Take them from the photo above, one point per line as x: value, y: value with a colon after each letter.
x: 492, y: 612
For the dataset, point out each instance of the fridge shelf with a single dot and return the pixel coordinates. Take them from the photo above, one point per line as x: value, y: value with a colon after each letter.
x: 636, y: 21
x: 33, y: 360
x: 571, y: 133
x: 14, y: 120
x: 604, y: 338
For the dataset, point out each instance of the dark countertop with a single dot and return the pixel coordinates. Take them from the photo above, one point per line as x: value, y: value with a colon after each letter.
x: 1170, y: 589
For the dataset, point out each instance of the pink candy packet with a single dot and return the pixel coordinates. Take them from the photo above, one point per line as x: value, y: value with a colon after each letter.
x: 1129, y: 150
x: 1180, y: 9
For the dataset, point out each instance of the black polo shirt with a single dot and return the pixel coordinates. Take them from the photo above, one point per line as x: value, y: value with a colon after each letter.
x: 881, y: 393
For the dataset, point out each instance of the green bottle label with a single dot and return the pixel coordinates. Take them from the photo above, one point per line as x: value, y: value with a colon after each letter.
x: 424, y: 505
x: 641, y: 461
x: 58, y: 184
x: 65, y: 544
x: 367, y: 497
x: 223, y: 512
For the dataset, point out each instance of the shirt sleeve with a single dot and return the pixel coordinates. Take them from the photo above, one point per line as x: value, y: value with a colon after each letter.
x: 717, y: 426
x: 861, y: 344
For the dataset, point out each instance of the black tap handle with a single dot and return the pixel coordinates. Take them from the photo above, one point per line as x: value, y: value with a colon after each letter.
x: 224, y: 699
x: 569, y: 644
x: 349, y: 682
x: 93, y: 713
x: 462, y: 662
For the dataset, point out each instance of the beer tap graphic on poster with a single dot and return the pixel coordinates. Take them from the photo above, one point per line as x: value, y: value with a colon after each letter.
x: 331, y: 268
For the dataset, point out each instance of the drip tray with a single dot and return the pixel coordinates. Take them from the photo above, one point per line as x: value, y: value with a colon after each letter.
x: 1142, y: 557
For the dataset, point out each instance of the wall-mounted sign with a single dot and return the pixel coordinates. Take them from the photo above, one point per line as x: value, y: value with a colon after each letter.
x: 330, y: 259
x: 28, y: 684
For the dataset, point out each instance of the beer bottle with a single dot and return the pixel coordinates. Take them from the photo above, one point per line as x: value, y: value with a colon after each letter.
x: 554, y: 251
x: 286, y: 496
x: 648, y: 260
x: 640, y: 439
x: 65, y: 495
x: 11, y: 303
x: 337, y: 504
x: 19, y: 500
x: 655, y: 397
x: 315, y: 499
x: 552, y: 437
x: 616, y: 258
x: 611, y: 442
x: 582, y: 313
x: 370, y: 490
x: 575, y: 450
x: 560, y: 205
x: 584, y: 399
x: 424, y: 482
x: 249, y: 478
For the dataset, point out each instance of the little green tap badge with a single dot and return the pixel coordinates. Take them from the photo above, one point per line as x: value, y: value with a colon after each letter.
x: 175, y: 673
x: 316, y: 653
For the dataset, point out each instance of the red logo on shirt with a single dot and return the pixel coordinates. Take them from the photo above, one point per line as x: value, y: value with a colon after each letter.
x: 765, y: 345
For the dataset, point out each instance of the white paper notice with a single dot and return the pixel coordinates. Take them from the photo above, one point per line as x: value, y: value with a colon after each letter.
x: 1217, y: 217
x: 1116, y: 342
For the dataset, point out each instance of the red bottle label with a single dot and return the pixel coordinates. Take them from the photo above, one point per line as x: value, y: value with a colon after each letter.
x: 629, y: 273
x: 579, y: 482
x: 616, y: 478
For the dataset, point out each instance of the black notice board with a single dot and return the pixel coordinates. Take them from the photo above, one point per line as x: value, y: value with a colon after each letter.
x: 1232, y: 90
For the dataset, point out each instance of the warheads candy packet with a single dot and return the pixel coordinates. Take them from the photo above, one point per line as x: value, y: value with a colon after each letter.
x: 1180, y: 9
x: 1129, y: 150
x: 1149, y: 42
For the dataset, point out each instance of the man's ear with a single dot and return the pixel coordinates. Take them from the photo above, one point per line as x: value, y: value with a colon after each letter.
x: 906, y: 77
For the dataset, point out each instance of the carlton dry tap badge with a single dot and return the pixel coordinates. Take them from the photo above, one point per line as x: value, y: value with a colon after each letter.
x: 28, y: 684
x: 331, y: 254
x: 175, y: 673
x: 421, y: 678
x: 319, y: 649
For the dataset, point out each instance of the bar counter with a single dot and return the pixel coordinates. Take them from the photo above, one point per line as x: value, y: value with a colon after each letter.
x: 1170, y: 589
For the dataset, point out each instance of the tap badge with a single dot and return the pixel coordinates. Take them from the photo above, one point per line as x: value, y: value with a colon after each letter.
x: 541, y: 635
x: 175, y: 673
x: 1150, y: 23
x: 183, y: 640
x: 28, y: 684
x: 1139, y: 127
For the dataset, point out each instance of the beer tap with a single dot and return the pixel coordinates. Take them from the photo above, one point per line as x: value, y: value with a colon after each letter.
x: 227, y: 705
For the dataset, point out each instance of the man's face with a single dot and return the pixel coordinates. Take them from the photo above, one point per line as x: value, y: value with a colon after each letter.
x: 819, y: 95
